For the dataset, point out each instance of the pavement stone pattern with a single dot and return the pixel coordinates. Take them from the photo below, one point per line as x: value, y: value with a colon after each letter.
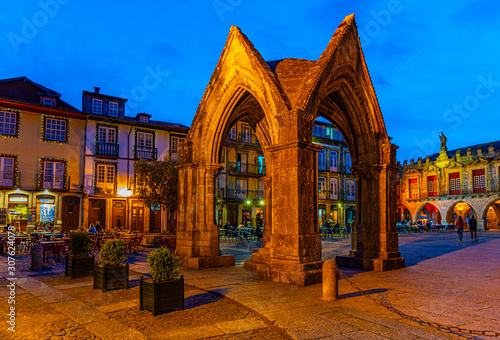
x: 445, y: 281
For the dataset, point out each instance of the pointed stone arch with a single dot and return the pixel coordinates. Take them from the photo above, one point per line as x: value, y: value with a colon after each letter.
x: 282, y: 100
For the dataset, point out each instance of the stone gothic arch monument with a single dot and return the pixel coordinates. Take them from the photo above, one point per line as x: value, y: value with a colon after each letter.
x: 281, y: 101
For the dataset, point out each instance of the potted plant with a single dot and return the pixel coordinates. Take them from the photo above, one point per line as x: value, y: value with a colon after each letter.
x: 165, y: 290
x: 110, y: 272
x: 78, y: 262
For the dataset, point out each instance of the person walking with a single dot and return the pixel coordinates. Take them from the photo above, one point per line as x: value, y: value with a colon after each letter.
x: 460, y: 228
x: 473, y: 228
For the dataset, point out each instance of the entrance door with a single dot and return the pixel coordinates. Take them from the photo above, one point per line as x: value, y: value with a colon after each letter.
x: 97, y: 212
x: 137, y: 222
x: 118, y: 214
x: 232, y: 214
x: 155, y: 220
x: 70, y: 213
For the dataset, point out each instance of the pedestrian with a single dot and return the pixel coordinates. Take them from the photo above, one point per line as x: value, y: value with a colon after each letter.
x: 91, y: 229
x: 460, y: 228
x: 98, y: 226
x: 473, y: 228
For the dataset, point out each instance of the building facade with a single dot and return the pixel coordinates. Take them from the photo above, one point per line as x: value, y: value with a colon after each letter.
x: 462, y: 182
x: 114, y: 142
x: 41, y: 164
x: 336, y: 183
x: 240, y: 195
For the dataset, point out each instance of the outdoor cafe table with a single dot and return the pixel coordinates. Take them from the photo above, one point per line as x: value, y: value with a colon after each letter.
x: 53, y: 247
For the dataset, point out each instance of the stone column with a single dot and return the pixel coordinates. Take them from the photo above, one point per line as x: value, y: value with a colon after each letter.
x: 375, y: 239
x: 197, y: 234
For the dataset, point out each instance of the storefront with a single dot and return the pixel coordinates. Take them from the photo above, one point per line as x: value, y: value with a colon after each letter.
x: 17, y: 211
x: 45, y: 209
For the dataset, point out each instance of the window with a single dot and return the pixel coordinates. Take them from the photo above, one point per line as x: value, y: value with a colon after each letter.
x: 232, y: 133
x: 317, y: 131
x: 479, y: 180
x: 241, y: 188
x: 106, y: 141
x: 8, y: 123
x: 262, y: 165
x: 96, y: 106
x: 432, y: 186
x: 105, y: 178
x: 334, y: 188
x: 242, y: 163
x: 144, y: 145
x: 144, y: 119
x: 322, y: 188
x: 55, y: 130
x: 246, y: 135
x: 322, y: 160
x: 47, y: 101
x: 53, y: 174
x: 413, y: 185
x: 350, y: 190
x: 6, y: 171
x: 113, y: 109
x: 175, y: 144
x: 348, y: 163
x: 455, y: 183
x: 333, y: 161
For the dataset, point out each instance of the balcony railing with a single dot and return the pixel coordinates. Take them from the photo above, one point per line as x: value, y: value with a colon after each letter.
x: 105, y: 189
x: 145, y: 153
x: 244, y: 194
x: 6, y: 178
x: 55, y: 182
x: 106, y: 149
x: 245, y: 168
x: 241, y: 137
x: 491, y: 187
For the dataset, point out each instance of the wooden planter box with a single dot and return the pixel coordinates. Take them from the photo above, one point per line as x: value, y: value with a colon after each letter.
x: 79, y: 266
x: 107, y: 278
x: 161, y: 297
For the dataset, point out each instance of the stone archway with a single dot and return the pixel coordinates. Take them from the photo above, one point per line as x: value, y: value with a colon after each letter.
x: 281, y: 101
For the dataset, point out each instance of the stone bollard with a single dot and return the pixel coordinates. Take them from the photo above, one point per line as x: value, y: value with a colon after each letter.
x: 330, y: 281
x: 36, y: 258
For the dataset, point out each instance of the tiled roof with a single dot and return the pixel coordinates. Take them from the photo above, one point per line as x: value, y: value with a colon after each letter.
x: 93, y: 94
x: 463, y: 151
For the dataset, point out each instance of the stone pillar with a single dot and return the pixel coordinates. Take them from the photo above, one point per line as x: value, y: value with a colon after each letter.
x: 295, y: 243
x: 375, y: 239
x: 480, y: 224
x: 197, y: 234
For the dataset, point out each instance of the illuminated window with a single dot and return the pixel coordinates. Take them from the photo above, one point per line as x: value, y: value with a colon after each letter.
x: 53, y: 174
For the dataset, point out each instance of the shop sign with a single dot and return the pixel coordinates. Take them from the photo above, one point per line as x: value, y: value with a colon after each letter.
x: 46, y: 200
x: 18, y: 199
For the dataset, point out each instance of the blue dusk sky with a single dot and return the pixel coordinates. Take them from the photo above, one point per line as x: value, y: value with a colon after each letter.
x: 434, y: 65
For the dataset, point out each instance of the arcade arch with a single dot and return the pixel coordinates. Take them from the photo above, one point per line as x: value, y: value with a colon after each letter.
x: 491, y: 215
x: 281, y: 101
x: 460, y: 208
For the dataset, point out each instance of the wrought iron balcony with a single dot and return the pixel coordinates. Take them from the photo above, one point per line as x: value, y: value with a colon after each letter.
x: 245, y: 168
x: 106, y: 149
x: 145, y: 153
x: 7, y: 178
x: 244, y: 194
x: 248, y: 138
x: 105, y: 189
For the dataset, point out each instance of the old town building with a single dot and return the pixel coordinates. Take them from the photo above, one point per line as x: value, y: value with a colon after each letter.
x: 41, y: 165
x: 114, y: 142
x: 240, y: 195
x: 336, y: 183
x: 462, y: 182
